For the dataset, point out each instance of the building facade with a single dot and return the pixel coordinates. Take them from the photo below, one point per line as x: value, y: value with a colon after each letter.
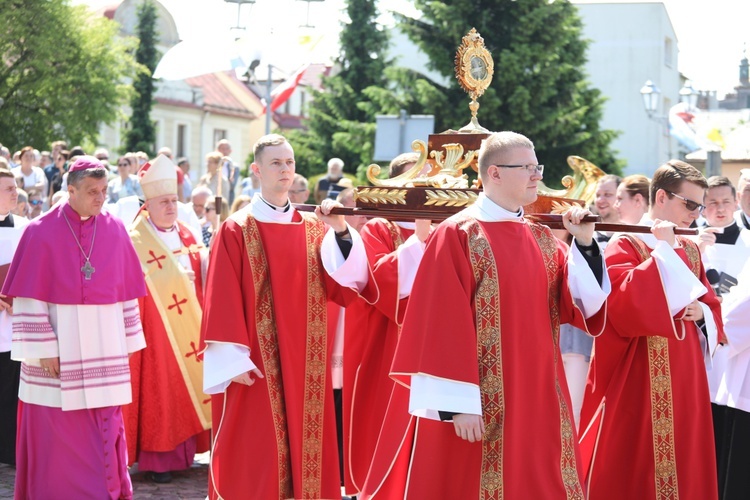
x: 631, y: 43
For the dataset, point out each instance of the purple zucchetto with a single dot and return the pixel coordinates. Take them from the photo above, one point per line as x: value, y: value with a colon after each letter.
x: 85, y: 163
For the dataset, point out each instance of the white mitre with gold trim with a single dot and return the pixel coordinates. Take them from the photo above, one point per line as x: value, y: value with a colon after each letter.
x: 158, y: 177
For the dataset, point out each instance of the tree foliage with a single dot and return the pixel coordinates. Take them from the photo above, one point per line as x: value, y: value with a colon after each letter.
x: 142, y: 134
x: 341, y: 120
x: 61, y: 72
x: 539, y: 87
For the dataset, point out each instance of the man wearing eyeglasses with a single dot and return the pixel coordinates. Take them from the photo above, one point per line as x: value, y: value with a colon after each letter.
x: 299, y: 193
x: 725, y: 246
x: 166, y: 423
x: 647, y: 411
x: 479, y: 344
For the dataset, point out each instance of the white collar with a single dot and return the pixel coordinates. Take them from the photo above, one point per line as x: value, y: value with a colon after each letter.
x: 263, y: 213
x: 486, y: 210
x: 160, y: 230
x: 3, y: 217
x: 726, y: 226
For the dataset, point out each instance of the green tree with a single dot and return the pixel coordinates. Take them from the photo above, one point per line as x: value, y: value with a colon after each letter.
x: 142, y: 134
x: 341, y: 120
x: 539, y: 86
x: 61, y: 71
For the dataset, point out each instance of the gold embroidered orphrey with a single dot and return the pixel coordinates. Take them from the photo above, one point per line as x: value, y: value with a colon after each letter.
x: 662, y: 411
x: 489, y: 354
x: 548, y: 246
x: 474, y: 70
x: 269, y: 350
x: 315, y: 360
x: 167, y: 283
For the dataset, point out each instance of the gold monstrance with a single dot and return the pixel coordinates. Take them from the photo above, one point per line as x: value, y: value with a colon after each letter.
x: 444, y: 189
x: 474, y: 70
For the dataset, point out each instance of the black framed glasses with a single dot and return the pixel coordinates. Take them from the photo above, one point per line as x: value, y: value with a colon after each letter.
x: 691, y: 205
x: 530, y: 168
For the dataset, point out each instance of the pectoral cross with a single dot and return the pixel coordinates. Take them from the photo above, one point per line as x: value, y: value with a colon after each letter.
x: 88, y: 270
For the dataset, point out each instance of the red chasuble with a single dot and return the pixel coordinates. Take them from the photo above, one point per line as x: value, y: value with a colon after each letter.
x: 485, y: 310
x: 355, y: 323
x: 373, y: 386
x: 656, y: 436
x: 267, y: 291
x: 162, y: 414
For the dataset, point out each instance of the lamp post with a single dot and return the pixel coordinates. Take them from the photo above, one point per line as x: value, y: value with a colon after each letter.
x: 254, y: 65
x: 651, y: 95
x: 689, y: 95
x: 239, y: 3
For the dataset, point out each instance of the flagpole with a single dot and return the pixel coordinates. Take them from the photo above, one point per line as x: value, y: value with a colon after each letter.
x: 269, y: 83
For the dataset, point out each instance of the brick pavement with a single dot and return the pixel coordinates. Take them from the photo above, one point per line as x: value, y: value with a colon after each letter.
x: 191, y: 484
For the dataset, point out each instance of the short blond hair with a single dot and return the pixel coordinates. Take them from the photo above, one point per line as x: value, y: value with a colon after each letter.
x: 214, y: 157
x: 496, y: 145
x: 266, y: 141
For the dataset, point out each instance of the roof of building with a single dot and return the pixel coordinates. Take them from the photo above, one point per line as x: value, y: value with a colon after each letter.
x: 224, y: 93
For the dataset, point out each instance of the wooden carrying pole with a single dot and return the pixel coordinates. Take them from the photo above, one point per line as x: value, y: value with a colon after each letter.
x: 553, y: 221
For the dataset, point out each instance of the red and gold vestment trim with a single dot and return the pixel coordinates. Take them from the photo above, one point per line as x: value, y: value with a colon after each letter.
x: 662, y: 412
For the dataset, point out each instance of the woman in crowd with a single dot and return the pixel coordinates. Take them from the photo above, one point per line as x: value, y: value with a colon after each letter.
x: 631, y: 200
x: 126, y: 183
x: 61, y: 166
x: 32, y: 177
x: 212, y: 175
x: 211, y: 217
x: 240, y: 202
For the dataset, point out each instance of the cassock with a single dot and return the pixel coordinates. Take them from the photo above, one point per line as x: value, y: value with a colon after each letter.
x: 71, y: 437
x: 270, y: 275
x: 11, y: 227
x: 480, y: 337
x: 742, y: 219
x: 169, y: 409
x: 724, y: 262
x: 394, y: 253
x: 646, y: 411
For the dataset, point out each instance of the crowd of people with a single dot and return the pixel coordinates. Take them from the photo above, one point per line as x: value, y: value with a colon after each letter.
x: 41, y: 179
x: 485, y: 356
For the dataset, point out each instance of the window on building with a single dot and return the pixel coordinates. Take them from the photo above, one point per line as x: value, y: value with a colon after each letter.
x: 157, y: 135
x: 668, y: 52
x: 181, y: 140
x: 219, y: 135
x: 302, y: 99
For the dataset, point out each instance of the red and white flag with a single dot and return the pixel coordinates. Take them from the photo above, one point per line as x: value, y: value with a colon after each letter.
x: 282, y: 93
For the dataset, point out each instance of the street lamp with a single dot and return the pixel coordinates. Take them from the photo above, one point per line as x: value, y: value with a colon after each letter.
x: 689, y: 95
x: 239, y: 3
x: 254, y: 65
x: 650, y: 94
